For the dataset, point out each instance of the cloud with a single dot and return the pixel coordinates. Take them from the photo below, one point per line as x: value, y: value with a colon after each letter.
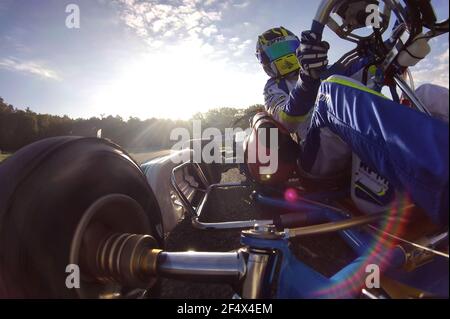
x: 435, y: 70
x: 443, y: 58
x: 181, y: 23
x: 210, y: 30
x: 239, y: 48
x: 156, y: 21
x: 220, y: 38
x: 242, y: 4
x: 29, y: 67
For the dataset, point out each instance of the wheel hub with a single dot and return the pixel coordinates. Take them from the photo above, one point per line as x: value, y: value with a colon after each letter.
x: 108, y: 251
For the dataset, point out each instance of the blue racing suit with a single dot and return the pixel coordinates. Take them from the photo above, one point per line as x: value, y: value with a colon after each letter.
x: 408, y: 148
x: 291, y: 100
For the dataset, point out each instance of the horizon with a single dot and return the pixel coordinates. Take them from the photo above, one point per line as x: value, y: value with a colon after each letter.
x: 125, y: 119
x: 165, y: 59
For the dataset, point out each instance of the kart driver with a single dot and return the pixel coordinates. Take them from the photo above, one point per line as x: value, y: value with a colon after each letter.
x: 347, y: 113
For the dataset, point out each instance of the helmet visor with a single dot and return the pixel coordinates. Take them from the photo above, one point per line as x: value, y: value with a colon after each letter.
x: 280, y: 49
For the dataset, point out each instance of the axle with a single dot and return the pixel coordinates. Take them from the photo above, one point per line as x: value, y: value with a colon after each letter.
x: 131, y: 260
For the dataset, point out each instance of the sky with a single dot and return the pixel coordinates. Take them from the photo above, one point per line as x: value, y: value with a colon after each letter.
x: 155, y: 58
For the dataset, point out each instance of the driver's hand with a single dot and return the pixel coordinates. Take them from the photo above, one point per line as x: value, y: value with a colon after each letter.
x: 312, y: 55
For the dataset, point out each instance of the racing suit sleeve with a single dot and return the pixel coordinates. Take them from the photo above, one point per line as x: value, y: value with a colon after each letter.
x: 292, y: 108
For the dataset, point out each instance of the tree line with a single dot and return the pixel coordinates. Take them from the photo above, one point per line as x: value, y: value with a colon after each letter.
x: 21, y: 127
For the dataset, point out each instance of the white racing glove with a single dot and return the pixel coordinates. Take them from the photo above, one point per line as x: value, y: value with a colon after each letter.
x: 312, y: 54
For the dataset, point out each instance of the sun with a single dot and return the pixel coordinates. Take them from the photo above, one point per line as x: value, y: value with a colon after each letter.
x: 178, y: 81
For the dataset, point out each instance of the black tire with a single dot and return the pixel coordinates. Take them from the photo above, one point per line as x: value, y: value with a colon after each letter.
x: 44, y: 190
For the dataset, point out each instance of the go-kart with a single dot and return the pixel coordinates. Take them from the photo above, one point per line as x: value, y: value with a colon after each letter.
x: 84, y: 202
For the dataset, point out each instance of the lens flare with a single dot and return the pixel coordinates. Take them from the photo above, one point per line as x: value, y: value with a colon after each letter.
x: 291, y: 195
x: 379, y: 253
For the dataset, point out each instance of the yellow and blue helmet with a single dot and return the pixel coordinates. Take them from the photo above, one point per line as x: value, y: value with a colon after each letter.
x: 276, y: 51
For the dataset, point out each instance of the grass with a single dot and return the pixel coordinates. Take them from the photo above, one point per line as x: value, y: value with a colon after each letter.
x: 4, y: 156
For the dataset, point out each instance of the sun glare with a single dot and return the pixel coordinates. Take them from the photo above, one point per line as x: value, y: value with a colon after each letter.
x: 178, y: 81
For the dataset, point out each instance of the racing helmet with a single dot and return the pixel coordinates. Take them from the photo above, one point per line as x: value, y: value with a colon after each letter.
x: 259, y: 142
x: 276, y: 51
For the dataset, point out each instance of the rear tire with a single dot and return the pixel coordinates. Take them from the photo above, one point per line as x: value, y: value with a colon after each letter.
x: 45, y: 189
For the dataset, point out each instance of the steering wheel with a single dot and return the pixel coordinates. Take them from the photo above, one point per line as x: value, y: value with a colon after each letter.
x: 344, y: 17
